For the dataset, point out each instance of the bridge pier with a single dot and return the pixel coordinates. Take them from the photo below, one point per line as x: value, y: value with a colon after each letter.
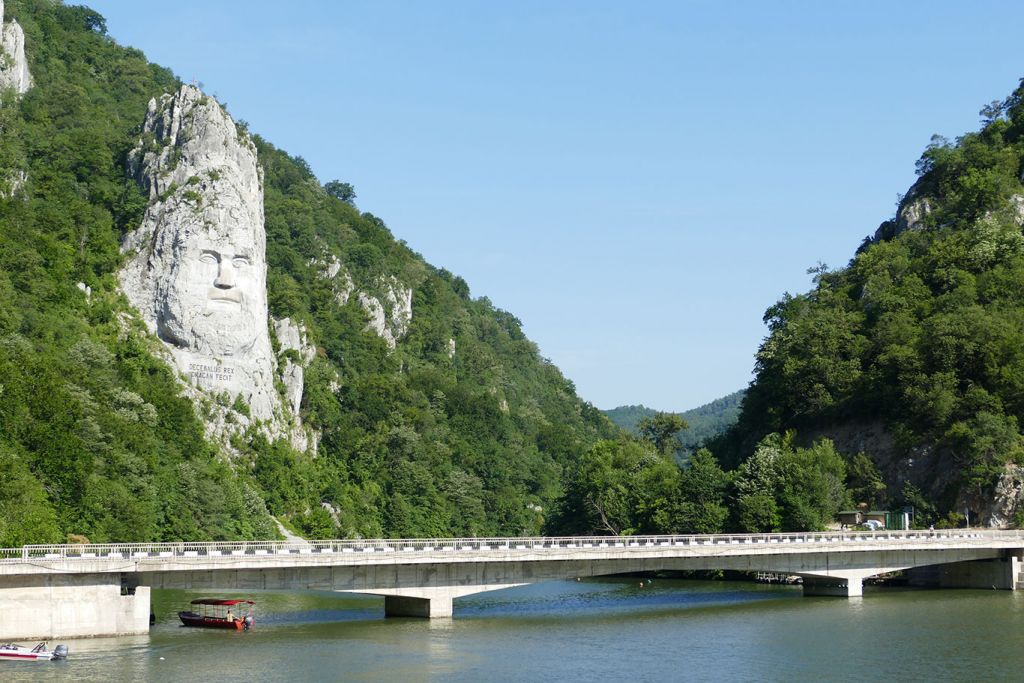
x: 427, y: 602
x: 834, y: 586
x: 998, y: 574
x: 428, y: 608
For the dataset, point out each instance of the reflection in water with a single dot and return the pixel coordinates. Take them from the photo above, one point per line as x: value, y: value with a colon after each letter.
x: 574, y: 631
x: 442, y: 657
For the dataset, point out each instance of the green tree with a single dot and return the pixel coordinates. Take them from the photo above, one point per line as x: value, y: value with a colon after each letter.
x: 624, y: 487
x: 758, y: 513
x: 339, y: 190
x: 785, y: 487
x: 662, y: 430
x: 702, y: 489
x: 864, y: 481
x: 812, y: 488
x: 26, y: 516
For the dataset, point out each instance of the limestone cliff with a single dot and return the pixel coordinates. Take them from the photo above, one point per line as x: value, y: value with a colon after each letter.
x: 916, y: 205
x: 14, y: 75
x: 390, y: 314
x: 14, y: 71
x: 292, y: 337
x: 197, y: 267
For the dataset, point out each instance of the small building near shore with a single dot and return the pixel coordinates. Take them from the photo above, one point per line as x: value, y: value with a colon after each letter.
x: 850, y: 517
x: 881, y: 516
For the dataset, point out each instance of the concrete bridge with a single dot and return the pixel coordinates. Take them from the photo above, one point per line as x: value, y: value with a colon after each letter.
x: 91, y: 590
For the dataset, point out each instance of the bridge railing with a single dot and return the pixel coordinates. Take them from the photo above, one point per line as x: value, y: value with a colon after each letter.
x: 227, y: 549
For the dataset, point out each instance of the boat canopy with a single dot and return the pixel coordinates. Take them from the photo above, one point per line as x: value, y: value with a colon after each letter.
x: 217, y: 601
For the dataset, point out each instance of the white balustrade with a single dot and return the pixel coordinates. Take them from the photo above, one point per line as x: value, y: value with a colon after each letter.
x: 202, y: 552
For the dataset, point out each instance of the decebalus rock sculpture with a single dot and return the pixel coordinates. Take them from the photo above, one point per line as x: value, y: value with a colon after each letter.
x: 197, y: 268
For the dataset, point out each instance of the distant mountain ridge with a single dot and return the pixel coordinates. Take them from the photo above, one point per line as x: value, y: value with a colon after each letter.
x: 706, y: 421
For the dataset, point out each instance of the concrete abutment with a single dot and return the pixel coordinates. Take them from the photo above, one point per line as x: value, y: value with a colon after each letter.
x: 69, y: 606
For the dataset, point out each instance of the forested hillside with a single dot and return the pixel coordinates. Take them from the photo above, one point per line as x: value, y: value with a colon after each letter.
x: 704, y: 422
x: 461, y: 429
x: 914, y: 352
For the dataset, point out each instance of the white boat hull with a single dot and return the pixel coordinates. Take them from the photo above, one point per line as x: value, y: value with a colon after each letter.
x: 15, y: 652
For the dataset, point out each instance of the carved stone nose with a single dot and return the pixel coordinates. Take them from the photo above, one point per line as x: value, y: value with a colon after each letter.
x: 225, y: 275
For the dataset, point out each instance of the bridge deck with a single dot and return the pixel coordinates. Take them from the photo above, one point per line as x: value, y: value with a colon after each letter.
x: 114, y: 557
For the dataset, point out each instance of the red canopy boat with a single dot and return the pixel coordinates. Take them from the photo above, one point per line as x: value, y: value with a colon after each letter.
x: 218, y: 613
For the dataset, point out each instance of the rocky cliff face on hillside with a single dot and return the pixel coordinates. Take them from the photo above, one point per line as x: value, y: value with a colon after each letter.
x: 390, y: 315
x: 14, y: 71
x: 917, y: 204
x: 14, y: 75
x: 388, y: 309
x: 197, y: 269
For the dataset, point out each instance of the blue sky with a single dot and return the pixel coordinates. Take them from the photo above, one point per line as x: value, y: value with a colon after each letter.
x: 637, y: 182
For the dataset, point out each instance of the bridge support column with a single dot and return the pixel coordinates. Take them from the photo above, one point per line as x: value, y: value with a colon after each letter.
x: 70, y: 605
x: 840, y: 587
x: 428, y: 608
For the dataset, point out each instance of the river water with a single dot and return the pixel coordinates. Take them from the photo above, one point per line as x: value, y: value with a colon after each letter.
x: 597, y: 630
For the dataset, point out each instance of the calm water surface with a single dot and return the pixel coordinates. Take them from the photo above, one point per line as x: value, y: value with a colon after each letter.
x: 611, y: 630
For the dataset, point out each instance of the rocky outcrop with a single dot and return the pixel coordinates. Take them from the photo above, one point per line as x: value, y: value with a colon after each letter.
x: 399, y: 302
x: 197, y: 269
x: 390, y: 315
x: 12, y: 183
x: 933, y: 470
x: 913, y: 209
x: 1000, y: 506
x: 14, y: 75
x: 910, y: 215
x: 1017, y: 206
x: 341, y: 281
x: 14, y: 71
x: 292, y: 337
x: 387, y: 302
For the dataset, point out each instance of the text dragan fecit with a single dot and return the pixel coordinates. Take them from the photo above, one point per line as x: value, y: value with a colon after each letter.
x: 218, y: 373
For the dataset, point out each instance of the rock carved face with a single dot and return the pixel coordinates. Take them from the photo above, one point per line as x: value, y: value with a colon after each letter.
x: 215, y: 298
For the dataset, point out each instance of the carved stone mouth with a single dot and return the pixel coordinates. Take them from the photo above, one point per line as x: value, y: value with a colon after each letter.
x: 228, y: 295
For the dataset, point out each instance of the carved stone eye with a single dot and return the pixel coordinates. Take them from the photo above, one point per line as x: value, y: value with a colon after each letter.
x: 240, y: 261
x: 207, y: 257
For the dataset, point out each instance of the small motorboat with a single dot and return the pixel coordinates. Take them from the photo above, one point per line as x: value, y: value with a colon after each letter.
x: 29, y: 654
x: 219, y: 613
